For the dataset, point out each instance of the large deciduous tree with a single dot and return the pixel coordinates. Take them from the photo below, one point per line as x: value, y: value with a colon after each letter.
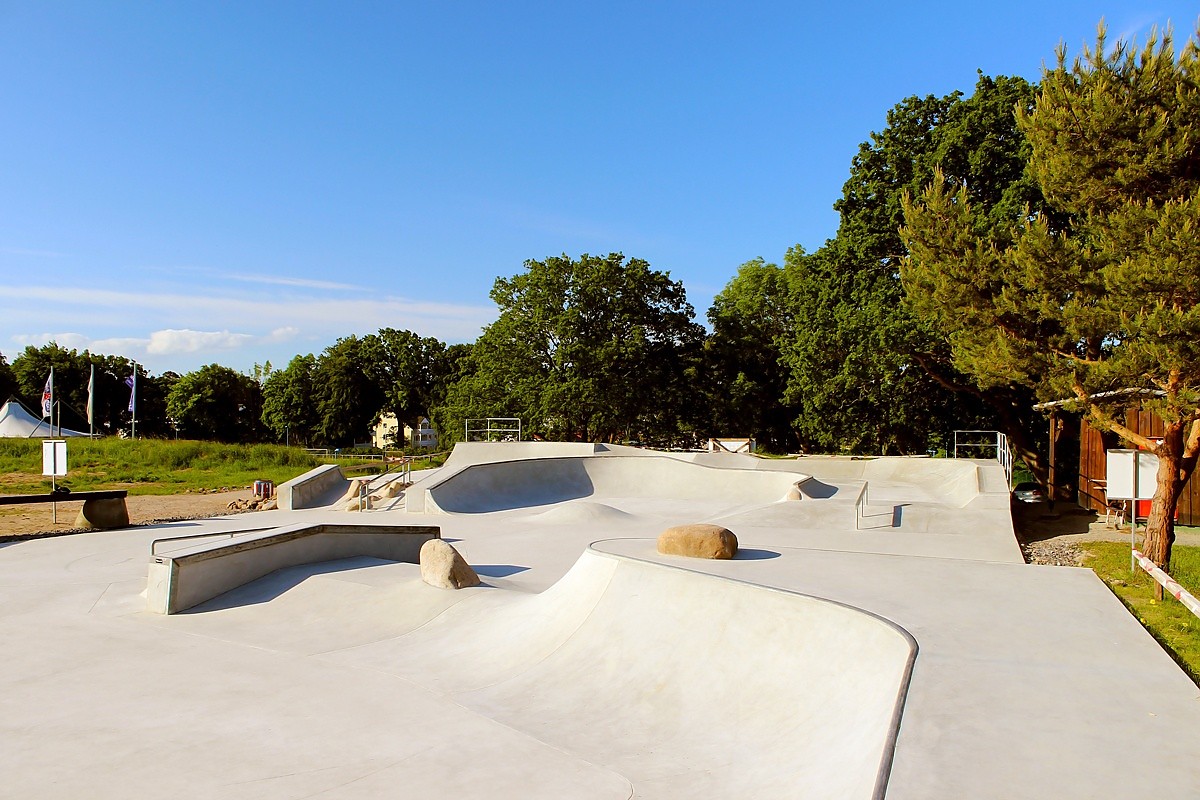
x: 214, y: 402
x: 866, y: 373
x: 408, y: 369
x: 349, y: 398
x: 1102, y: 291
x: 742, y: 373
x: 290, y: 402
x: 594, y: 348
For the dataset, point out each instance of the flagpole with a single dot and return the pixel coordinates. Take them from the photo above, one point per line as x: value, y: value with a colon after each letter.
x: 91, y: 408
x: 133, y: 402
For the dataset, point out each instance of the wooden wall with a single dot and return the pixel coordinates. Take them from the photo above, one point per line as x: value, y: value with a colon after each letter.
x: 1092, y: 466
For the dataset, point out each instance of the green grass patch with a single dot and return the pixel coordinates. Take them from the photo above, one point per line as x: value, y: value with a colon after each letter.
x: 1175, y: 628
x: 150, y: 466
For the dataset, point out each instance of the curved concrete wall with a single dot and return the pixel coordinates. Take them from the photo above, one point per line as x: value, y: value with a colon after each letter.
x: 956, y: 482
x: 529, y: 482
x: 689, y: 685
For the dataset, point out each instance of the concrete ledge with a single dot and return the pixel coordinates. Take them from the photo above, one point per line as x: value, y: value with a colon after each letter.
x: 317, y: 487
x: 189, y: 577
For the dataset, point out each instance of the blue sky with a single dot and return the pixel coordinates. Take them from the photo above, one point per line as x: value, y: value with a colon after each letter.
x: 240, y: 182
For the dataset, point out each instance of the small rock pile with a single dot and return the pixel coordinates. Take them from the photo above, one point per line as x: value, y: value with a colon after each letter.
x: 253, y: 504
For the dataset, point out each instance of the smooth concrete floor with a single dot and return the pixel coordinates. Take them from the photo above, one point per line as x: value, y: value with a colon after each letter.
x: 676, y: 678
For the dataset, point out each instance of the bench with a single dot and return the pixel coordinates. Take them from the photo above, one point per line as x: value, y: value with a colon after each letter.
x: 102, y: 509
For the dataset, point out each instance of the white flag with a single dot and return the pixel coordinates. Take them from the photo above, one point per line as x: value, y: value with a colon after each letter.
x: 48, y: 396
x: 91, y: 406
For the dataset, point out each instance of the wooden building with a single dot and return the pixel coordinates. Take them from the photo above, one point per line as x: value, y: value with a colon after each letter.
x: 1093, y: 465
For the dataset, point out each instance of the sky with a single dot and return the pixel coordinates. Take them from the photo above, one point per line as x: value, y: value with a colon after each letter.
x: 241, y: 182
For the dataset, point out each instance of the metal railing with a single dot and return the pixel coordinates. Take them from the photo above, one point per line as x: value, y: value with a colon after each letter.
x: 860, y: 506
x: 229, y: 534
x: 492, y: 429
x: 998, y: 444
x: 404, y: 464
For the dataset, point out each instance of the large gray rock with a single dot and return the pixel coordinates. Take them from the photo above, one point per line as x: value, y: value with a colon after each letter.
x: 442, y: 566
x: 698, y: 540
x: 103, y: 513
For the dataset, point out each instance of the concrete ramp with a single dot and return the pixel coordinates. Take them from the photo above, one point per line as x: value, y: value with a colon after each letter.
x: 523, y: 483
x: 688, y: 685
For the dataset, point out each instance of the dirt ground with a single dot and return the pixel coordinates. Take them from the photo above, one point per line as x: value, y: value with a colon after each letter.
x: 37, y: 519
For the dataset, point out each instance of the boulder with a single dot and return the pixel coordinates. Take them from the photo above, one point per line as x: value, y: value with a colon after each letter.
x: 352, y: 505
x: 698, y: 540
x: 109, y: 513
x: 442, y: 566
x: 794, y: 493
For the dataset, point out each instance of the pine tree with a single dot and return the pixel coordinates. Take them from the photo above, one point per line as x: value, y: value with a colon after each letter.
x: 1102, y: 291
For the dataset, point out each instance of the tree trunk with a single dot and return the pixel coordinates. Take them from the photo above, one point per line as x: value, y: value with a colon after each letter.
x: 1173, y: 473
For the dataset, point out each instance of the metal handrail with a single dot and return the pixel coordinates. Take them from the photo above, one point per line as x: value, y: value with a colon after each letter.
x: 1004, y: 454
x: 155, y: 543
x: 860, y: 504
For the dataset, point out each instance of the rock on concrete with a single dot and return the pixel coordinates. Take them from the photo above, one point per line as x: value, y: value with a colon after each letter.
x: 698, y: 540
x: 794, y: 493
x: 444, y: 567
x: 103, y: 513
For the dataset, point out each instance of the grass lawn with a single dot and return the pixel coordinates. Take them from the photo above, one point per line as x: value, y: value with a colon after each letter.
x: 150, y: 466
x: 1176, y: 628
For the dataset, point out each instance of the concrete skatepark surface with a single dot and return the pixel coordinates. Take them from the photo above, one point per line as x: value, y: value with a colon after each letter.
x: 916, y: 657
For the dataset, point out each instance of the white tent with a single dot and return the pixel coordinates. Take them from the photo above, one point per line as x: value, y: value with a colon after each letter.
x: 17, y: 423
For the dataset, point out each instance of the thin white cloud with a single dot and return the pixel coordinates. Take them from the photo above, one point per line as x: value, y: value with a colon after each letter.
x: 71, y: 341
x: 171, y: 342
x: 111, y: 308
x: 304, y: 283
x: 119, y: 345
x: 177, y: 331
x: 284, y: 334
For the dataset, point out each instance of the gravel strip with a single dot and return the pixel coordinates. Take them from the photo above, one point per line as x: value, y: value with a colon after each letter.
x: 1053, y: 553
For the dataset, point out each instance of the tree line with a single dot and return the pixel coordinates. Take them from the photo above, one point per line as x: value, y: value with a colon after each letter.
x: 1029, y: 242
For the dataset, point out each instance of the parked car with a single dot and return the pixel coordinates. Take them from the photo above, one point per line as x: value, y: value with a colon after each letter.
x: 1028, y: 492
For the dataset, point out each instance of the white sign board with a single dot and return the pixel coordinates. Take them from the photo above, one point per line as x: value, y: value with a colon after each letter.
x: 54, y: 457
x: 1126, y: 483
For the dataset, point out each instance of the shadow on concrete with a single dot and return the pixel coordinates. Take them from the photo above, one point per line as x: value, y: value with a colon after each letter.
x: 751, y: 554
x: 269, y: 587
x: 818, y: 490
x: 498, y: 570
x: 1035, y: 522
